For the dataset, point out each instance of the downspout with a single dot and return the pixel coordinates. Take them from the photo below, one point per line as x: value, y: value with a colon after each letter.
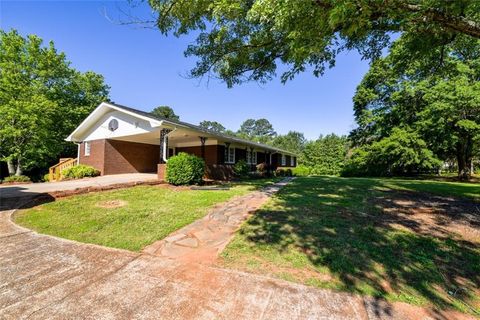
x: 165, y: 139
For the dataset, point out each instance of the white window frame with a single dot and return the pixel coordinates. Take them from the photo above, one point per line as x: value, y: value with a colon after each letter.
x: 284, y: 160
x: 88, y: 147
x: 292, y: 161
x: 251, y: 157
x: 230, y: 155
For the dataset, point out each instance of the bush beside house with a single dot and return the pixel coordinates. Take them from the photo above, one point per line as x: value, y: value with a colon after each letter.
x: 185, y: 169
x: 79, y: 172
x: 16, y: 179
x: 241, y: 168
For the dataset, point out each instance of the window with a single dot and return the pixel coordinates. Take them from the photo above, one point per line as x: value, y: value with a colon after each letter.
x: 87, y: 148
x: 251, y: 157
x: 292, y: 161
x: 284, y: 160
x: 229, y: 155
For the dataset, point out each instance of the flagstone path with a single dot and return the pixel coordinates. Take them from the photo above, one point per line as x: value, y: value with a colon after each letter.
x: 202, y: 240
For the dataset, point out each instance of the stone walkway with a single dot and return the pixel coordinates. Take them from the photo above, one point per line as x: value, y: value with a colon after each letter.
x: 202, y: 240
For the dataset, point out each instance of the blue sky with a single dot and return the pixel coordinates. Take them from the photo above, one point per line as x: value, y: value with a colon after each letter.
x: 146, y: 69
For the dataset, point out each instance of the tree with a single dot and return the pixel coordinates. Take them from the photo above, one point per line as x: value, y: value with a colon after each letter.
x: 293, y: 141
x: 212, y: 126
x: 403, y: 152
x: 260, y: 130
x: 244, y: 40
x: 443, y: 107
x: 326, y: 155
x: 165, y: 112
x: 42, y: 100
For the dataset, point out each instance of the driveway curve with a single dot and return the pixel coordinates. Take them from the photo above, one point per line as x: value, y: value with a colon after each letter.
x: 46, y: 277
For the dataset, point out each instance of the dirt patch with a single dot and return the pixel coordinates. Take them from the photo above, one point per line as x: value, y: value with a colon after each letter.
x: 111, y: 204
x: 429, y: 214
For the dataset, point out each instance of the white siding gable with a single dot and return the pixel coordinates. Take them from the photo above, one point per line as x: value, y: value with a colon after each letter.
x: 127, y: 126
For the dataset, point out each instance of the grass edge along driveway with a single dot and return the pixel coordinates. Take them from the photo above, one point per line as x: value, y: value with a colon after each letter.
x: 358, y: 235
x: 128, y: 218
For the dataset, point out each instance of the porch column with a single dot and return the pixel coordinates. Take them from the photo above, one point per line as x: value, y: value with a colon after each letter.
x: 251, y: 156
x: 164, y: 144
x: 202, y: 141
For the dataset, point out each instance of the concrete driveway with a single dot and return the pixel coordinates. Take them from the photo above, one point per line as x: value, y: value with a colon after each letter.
x: 44, y: 277
x: 32, y: 189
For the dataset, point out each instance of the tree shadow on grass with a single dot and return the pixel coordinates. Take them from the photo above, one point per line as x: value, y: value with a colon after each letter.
x: 374, y: 242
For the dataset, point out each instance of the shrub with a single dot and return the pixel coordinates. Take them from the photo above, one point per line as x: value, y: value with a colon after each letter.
x: 16, y: 179
x: 80, y: 171
x: 283, y: 172
x: 262, y: 167
x: 184, y: 169
x: 402, y: 153
x: 301, y: 171
x: 46, y: 177
x: 241, y: 168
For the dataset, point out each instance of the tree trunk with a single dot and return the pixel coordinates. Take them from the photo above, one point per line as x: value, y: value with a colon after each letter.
x: 464, y: 157
x: 11, y: 168
x: 19, y: 170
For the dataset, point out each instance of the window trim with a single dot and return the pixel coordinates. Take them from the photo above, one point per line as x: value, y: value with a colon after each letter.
x: 251, y: 157
x: 87, y: 148
x: 229, y: 151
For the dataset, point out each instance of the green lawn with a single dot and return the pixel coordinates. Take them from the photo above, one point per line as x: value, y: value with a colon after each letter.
x: 149, y: 213
x: 370, y: 236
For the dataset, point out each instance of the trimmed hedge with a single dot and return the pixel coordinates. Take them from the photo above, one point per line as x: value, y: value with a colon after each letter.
x: 184, y: 169
x: 11, y: 179
x: 80, y: 171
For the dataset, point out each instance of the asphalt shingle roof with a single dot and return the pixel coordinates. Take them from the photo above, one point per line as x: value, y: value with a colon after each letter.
x: 198, y: 128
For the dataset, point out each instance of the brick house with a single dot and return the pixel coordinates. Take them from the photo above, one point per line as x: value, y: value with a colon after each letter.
x: 117, y: 139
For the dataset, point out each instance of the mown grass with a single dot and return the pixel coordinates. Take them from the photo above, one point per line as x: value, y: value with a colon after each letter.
x: 149, y: 213
x: 331, y: 232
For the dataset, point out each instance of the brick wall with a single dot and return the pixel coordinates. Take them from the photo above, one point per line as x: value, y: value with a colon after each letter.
x: 96, y: 158
x: 114, y: 156
x: 211, y: 153
x: 130, y: 157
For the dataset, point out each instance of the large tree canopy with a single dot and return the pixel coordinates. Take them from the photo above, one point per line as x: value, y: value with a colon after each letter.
x: 260, y: 130
x: 165, y: 112
x: 293, y: 141
x: 244, y: 40
x: 42, y: 100
x: 438, y: 100
x: 212, y: 126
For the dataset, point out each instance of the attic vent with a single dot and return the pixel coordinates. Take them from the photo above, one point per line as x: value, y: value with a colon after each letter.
x: 113, y: 125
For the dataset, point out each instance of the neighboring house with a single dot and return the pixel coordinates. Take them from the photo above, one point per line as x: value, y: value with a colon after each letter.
x: 117, y: 139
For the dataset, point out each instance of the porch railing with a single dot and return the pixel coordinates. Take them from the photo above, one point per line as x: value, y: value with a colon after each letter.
x: 55, y: 172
